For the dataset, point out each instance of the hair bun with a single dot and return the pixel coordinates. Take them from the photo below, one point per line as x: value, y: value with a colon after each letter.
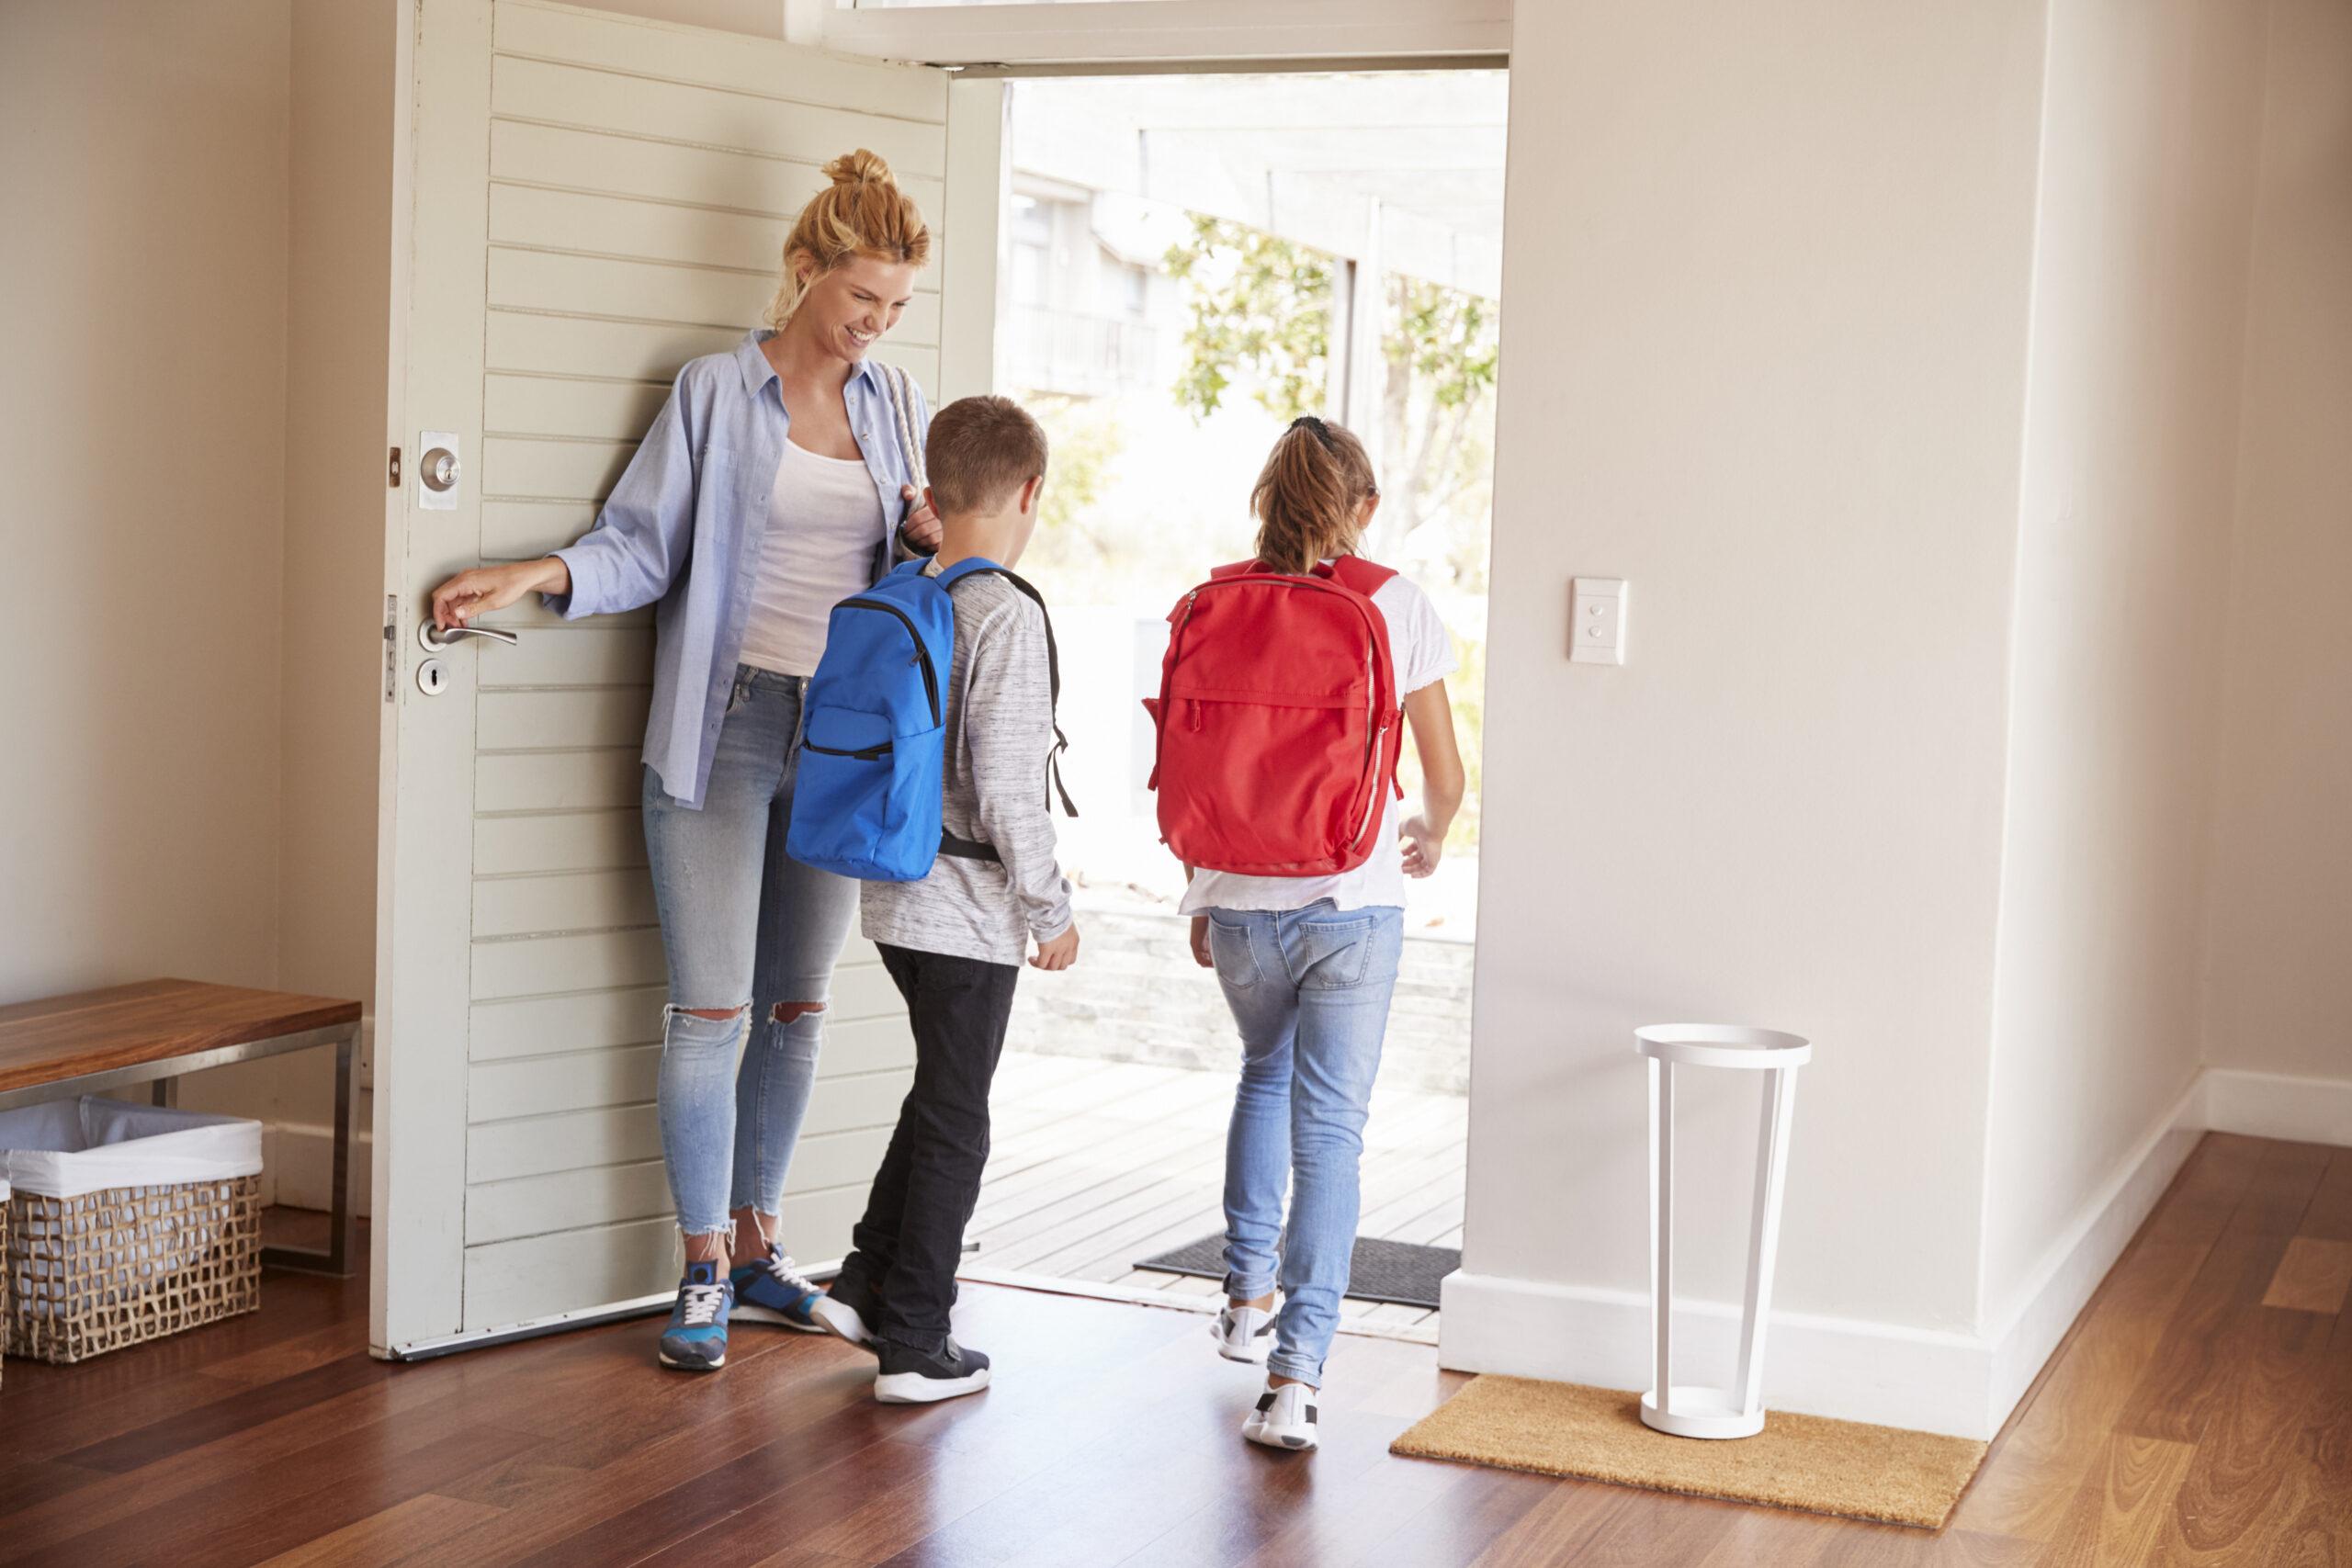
x: 859, y: 168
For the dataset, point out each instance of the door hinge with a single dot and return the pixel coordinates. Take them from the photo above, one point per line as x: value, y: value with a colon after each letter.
x: 392, y: 634
x: 396, y: 467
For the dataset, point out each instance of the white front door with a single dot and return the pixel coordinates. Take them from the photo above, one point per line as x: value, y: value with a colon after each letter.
x: 592, y: 200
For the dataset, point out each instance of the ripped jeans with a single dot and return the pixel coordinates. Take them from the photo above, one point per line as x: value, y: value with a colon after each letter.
x: 741, y: 922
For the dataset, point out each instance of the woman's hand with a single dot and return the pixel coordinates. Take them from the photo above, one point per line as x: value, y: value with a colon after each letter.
x: 1201, y: 943
x: 921, y: 530
x: 486, y: 589
x: 1424, y: 846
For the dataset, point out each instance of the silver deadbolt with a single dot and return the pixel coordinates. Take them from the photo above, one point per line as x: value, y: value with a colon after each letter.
x: 433, y: 677
x: 437, y: 471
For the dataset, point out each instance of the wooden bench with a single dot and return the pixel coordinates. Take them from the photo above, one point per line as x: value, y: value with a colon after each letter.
x: 95, y: 1041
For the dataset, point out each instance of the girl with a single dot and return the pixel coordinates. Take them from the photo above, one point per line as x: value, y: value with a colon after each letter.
x: 1307, y: 965
x: 771, y: 486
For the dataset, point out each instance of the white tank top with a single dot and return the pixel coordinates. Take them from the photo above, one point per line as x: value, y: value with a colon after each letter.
x: 824, y: 519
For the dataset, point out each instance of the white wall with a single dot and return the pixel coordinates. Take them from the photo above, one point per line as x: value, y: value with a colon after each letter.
x: 1896, y: 356
x: 2150, y: 136
x: 2280, y: 995
x: 197, y: 290
x: 142, y: 396
x: 1767, y: 278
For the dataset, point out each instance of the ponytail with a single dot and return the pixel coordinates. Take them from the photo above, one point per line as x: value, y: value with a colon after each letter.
x: 1308, y: 495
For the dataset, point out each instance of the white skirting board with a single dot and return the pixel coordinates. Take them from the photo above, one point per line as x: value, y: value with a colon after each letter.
x: 2272, y: 1105
x: 1888, y: 1374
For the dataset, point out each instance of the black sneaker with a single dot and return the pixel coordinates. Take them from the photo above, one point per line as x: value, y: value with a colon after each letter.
x: 912, y: 1377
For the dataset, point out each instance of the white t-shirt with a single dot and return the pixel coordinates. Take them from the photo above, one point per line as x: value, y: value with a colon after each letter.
x: 1423, y: 652
x: 824, y: 519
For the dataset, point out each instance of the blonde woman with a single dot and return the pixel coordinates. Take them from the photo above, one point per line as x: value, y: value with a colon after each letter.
x: 772, y: 485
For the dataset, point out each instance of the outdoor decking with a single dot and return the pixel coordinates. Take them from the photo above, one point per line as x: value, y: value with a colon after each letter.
x: 1096, y: 1164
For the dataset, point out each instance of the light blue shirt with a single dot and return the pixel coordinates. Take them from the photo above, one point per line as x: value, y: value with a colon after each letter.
x: 685, y: 525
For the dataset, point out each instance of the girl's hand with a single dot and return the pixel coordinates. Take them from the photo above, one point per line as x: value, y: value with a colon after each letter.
x: 487, y: 589
x: 1423, y: 846
x: 1201, y: 943
x: 921, y: 526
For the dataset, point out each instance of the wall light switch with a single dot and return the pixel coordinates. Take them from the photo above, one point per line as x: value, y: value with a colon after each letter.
x: 1597, y: 621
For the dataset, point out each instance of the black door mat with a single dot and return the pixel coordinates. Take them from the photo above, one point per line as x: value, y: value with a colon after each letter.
x: 1396, y: 1272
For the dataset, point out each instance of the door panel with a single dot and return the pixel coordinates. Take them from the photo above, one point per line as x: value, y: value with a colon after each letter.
x: 547, y: 154
x: 597, y: 199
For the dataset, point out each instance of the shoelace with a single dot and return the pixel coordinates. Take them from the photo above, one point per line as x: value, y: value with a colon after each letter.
x: 788, y: 1273
x: 698, y: 1304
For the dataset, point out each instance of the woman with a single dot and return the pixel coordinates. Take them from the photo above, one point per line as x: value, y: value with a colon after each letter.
x: 771, y: 486
x: 1309, y: 965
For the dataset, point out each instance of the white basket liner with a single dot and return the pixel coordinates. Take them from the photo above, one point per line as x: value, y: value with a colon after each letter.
x: 68, y: 1148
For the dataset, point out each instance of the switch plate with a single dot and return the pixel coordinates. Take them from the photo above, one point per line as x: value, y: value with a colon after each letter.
x: 1597, y: 621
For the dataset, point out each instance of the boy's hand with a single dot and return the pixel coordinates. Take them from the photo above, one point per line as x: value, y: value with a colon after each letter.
x: 1201, y: 943
x: 1058, y: 953
x: 1423, y: 848
x: 921, y: 526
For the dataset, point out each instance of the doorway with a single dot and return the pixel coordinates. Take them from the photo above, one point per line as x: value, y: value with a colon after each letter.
x: 1188, y: 263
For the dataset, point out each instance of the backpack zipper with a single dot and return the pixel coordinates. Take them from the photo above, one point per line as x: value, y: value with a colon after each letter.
x: 923, y: 654
x: 863, y: 754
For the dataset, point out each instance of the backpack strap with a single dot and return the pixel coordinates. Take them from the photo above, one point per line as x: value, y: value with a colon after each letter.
x: 1359, y: 575
x: 1236, y: 570
x: 899, y: 388
x: 974, y: 566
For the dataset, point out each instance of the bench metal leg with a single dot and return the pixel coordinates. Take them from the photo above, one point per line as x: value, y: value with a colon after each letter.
x: 342, y: 1255
x: 167, y: 1093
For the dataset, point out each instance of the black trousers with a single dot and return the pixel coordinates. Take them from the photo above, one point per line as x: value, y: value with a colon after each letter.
x: 901, y: 1277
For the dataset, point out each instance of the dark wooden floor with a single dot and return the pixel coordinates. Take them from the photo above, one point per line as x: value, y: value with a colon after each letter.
x: 2184, y: 1422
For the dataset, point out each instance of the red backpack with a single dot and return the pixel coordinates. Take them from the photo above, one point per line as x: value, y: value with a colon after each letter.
x: 1278, y: 720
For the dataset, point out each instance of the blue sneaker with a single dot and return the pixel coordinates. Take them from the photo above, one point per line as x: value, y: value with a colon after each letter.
x: 775, y: 1292
x: 696, y: 1339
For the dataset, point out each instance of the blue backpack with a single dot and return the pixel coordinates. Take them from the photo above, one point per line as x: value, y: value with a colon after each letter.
x: 874, y: 731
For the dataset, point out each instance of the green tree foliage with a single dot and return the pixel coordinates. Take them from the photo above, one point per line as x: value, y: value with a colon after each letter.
x: 1437, y: 409
x: 1259, y: 305
x: 1260, y: 315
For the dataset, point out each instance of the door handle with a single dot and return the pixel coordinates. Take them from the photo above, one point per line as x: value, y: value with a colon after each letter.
x: 434, y: 640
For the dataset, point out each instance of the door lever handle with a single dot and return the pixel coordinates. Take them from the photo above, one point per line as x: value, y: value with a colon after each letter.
x: 434, y: 640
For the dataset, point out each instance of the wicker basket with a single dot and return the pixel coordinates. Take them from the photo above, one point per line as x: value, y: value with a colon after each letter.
x: 128, y: 1264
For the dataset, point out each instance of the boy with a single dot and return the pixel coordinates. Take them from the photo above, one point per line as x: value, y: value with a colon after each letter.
x: 954, y: 940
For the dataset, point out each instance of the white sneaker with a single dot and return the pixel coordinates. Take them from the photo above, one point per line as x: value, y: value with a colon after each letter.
x: 1284, y: 1417
x: 838, y: 1318
x: 1243, y: 1333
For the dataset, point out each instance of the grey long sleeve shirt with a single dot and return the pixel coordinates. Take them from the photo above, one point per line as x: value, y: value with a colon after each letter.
x: 1000, y: 717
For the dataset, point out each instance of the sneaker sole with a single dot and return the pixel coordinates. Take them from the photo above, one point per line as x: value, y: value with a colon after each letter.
x: 842, y: 1321
x: 691, y: 1366
x: 769, y: 1315
x: 1288, y: 1442
x: 1225, y: 1349
x: 913, y: 1387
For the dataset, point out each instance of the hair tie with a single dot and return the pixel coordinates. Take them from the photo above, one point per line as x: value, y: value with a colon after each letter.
x: 1318, y: 429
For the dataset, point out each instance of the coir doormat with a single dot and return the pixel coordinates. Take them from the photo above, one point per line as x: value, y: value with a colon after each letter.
x: 1797, y: 1462
x: 1394, y: 1271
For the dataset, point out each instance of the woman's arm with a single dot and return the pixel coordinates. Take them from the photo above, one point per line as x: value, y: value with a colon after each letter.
x: 486, y: 589
x: 1430, y: 718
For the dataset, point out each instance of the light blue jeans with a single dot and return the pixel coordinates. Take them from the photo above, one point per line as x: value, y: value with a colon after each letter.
x: 740, y: 919
x: 1309, y: 991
